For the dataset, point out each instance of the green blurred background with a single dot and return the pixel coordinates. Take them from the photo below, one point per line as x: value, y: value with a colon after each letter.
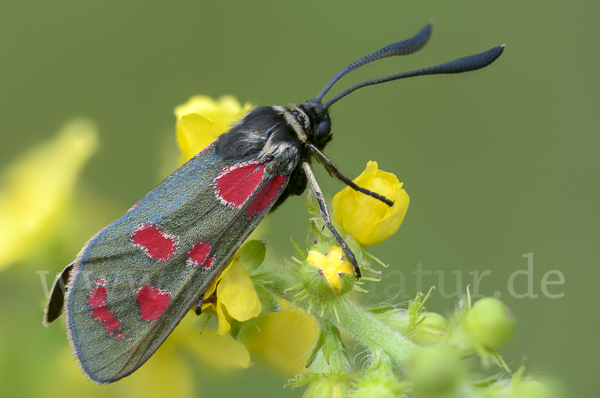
x: 498, y: 163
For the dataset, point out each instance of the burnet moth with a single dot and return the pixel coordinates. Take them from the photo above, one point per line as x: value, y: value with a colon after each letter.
x: 133, y: 282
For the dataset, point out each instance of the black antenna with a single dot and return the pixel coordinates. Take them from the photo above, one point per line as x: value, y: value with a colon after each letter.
x: 404, y: 47
x: 460, y: 65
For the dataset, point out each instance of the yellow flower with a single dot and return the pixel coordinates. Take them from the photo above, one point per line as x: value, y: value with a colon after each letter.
x: 38, y: 188
x: 284, y: 339
x: 199, y: 122
x: 368, y: 220
x: 235, y: 296
x: 202, y: 119
x: 332, y: 265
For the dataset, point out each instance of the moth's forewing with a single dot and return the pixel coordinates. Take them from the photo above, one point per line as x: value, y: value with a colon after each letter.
x: 134, y: 281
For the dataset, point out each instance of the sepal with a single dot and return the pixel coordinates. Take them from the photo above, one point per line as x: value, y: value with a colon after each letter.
x: 267, y: 300
x: 252, y: 254
x: 421, y: 327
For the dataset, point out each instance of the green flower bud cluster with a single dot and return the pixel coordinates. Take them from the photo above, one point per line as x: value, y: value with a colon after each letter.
x: 403, y: 353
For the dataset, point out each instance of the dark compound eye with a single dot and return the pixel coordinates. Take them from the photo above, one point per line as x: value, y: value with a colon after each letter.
x: 324, y: 127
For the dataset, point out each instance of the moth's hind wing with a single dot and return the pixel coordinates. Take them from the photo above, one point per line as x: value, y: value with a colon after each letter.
x: 54, y: 307
x: 198, y: 307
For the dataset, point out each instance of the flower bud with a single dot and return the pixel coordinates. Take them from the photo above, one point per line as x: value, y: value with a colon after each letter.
x: 532, y: 389
x: 327, y: 275
x: 368, y: 220
x: 423, y: 328
x: 327, y: 387
x: 381, y: 383
x: 374, y: 390
x: 436, y: 372
x: 490, y: 323
x: 431, y: 330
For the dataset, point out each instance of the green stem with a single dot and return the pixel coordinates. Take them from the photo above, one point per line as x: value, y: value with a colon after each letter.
x: 376, y: 335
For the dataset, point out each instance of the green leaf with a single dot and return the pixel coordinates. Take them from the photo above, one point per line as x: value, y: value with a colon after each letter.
x: 318, y: 345
x: 252, y: 254
x: 485, y: 383
x: 381, y: 310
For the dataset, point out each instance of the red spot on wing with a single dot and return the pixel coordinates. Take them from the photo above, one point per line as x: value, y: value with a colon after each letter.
x: 152, y: 302
x: 208, y: 263
x: 267, y: 194
x: 97, y: 297
x: 99, y: 309
x: 157, y: 245
x: 198, y: 255
x: 236, y: 183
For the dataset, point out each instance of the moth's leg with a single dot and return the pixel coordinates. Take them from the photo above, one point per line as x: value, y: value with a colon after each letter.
x: 57, y: 296
x: 198, y: 309
x: 335, y: 172
x: 326, y: 218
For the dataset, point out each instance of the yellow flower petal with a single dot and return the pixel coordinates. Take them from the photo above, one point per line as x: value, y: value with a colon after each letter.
x: 220, y: 353
x: 224, y: 326
x: 194, y: 133
x: 167, y: 363
x: 202, y: 119
x: 284, y: 339
x: 212, y: 286
x: 236, y: 292
x: 332, y: 264
x: 235, y: 296
x: 368, y: 220
x: 39, y: 187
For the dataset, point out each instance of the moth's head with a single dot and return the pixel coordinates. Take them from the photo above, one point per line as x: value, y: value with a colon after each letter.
x: 320, y: 132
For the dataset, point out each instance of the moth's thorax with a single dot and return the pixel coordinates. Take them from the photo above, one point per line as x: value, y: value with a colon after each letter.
x: 276, y: 132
